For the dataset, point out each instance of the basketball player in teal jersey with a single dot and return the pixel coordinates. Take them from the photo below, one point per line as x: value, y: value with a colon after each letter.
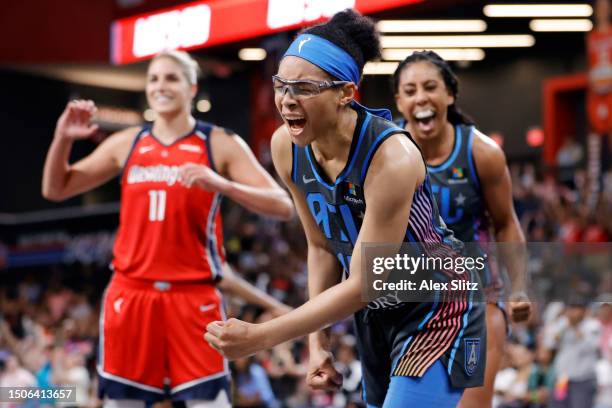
x: 357, y: 178
x: 472, y: 185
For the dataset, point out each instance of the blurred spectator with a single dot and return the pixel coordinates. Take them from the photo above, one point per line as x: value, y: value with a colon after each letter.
x: 578, y: 349
x: 69, y: 368
x: 604, y: 313
x: 12, y: 374
x: 511, y: 383
x: 349, y: 366
x: 541, y: 379
x: 252, y: 387
x: 285, y: 371
x: 569, y: 156
x: 604, y: 379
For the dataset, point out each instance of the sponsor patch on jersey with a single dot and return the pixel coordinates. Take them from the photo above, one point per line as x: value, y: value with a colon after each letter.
x: 457, y: 173
x: 190, y: 148
x: 351, y: 189
x: 457, y: 176
x: 353, y: 195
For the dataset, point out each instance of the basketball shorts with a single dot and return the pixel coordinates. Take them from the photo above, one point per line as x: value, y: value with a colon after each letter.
x: 152, y: 342
x: 407, y: 341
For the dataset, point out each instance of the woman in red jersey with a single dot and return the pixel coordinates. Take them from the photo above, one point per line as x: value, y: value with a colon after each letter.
x: 168, y: 254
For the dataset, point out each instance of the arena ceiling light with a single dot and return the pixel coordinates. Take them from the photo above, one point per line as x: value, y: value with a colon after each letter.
x: 449, y: 54
x: 203, y: 105
x: 538, y: 10
x: 380, y: 68
x: 431, y: 26
x: 149, y: 115
x: 458, y: 41
x: 560, y: 25
x: 252, y: 54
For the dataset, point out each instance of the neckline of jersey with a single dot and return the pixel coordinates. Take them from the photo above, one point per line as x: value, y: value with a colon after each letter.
x: 178, y: 139
x: 450, y: 159
x: 357, y: 135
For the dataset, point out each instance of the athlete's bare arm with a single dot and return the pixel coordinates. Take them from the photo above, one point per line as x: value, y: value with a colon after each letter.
x: 233, y: 284
x: 496, y: 188
x: 396, y: 170
x: 324, y: 270
x: 62, y: 180
x: 240, y: 177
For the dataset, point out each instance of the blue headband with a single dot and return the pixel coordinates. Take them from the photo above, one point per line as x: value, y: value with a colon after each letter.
x: 331, y: 59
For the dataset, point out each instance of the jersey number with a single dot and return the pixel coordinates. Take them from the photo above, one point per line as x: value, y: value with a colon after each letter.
x: 157, y: 205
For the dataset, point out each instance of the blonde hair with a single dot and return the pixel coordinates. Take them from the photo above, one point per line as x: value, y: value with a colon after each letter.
x: 189, y: 66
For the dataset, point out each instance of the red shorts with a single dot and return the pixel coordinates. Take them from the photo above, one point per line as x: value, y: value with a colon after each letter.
x: 152, y: 341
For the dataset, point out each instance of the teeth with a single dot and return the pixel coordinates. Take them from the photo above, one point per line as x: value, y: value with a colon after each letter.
x: 162, y: 99
x: 424, y: 114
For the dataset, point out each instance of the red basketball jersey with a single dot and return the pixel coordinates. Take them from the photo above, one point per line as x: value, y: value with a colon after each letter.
x: 167, y: 231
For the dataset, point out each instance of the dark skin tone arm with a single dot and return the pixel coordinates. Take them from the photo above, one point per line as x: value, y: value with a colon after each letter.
x: 496, y: 187
x: 324, y: 270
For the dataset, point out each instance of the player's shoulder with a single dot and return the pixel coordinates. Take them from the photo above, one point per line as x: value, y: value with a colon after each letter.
x: 225, y: 143
x: 218, y: 132
x: 379, y: 125
x: 282, y: 156
x: 119, y: 144
x: 122, y: 140
x: 385, y: 136
x: 127, y: 135
x: 393, y: 137
x: 281, y: 140
x: 485, y: 148
x: 489, y: 157
x: 397, y: 157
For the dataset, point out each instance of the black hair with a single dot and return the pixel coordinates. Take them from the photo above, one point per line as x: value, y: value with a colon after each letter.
x: 354, y: 33
x: 454, y: 114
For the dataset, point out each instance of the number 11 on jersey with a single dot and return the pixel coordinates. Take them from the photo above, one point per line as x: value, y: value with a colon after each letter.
x: 157, y: 205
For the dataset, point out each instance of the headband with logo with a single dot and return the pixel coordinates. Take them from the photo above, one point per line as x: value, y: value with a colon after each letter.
x: 331, y: 59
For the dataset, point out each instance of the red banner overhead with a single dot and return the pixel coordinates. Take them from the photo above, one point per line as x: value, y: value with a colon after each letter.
x: 205, y: 23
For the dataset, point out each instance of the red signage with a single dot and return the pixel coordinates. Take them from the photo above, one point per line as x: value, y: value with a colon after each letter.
x: 599, y: 94
x: 206, y: 23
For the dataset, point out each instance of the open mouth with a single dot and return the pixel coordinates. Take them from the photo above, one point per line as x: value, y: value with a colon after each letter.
x: 162, y: 99
x: 296, y: 125
x: 424, y: 119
